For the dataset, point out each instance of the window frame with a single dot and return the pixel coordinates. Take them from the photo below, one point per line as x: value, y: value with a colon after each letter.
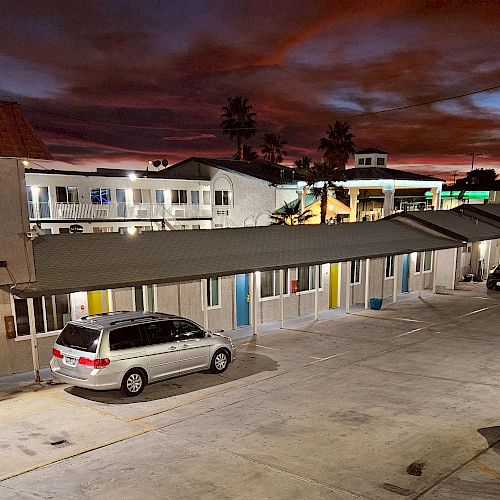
x: 67, y: 196
x: 101, y: 190
x: 46, y: 332
x: 418, y: 264
x: 225, y: 196
x: 311, y: 279
x: 179, y: 197
x: 353, y: 270
x: 209, y: 296
x: 390, y: 267
x: 276, y: 289
x: 206, y: 197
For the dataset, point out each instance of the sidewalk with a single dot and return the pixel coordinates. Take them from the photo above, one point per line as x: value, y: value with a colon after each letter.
x: 25, y: 379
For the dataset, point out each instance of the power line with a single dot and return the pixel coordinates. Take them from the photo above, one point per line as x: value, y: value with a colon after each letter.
x: 207, y: 129
x: 425, y: 103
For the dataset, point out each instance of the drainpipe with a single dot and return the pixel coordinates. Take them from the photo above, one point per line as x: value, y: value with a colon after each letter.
x: 316, y: 282
x: 204, y: 302
x: 434, y: 270
x: 395, y: 280
x: 347, y: 286
x: 421, y: 281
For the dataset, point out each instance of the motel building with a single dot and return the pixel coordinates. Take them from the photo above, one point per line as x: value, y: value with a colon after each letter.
x: 237, y: 277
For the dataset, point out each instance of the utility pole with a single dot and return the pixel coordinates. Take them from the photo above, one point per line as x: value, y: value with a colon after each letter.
x: 473, y: 156
x: 455, y: 173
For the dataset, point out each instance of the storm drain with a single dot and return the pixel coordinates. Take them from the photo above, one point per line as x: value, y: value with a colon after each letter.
x: 60, y: 443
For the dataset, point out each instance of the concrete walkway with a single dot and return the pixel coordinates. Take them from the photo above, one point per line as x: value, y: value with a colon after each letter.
x: 338, y: 409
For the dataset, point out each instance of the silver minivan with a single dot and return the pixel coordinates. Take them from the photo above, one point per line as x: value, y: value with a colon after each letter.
x: 127, y: 350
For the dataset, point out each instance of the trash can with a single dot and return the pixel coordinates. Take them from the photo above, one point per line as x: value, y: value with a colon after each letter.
x: 375, y: 303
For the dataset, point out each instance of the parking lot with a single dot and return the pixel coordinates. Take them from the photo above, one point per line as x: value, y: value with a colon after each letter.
x: 398, y: 403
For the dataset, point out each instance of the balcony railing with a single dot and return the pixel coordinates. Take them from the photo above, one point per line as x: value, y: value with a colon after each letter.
x: 91, y: 211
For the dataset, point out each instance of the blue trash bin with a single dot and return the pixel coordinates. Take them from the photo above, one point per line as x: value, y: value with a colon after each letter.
x: 375, y: 303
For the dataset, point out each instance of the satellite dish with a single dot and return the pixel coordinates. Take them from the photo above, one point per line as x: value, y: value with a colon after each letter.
x: 164, y: 162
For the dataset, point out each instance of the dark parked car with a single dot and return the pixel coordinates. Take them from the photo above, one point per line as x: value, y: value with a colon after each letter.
x: 493, y: 280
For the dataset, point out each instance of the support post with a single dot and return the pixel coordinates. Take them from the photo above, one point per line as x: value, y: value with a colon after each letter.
x: 421, y: 281
x: 367, y: 281
x: 434, y: 270
x: 34, y: 342
x: 347, y: 286
x: 395, y: 280
x: 253, y: 309
x: 316, y: 287
x: 204, y: 302
x: 353, y: 204
x: 454, y: 274
x: 282, y: 309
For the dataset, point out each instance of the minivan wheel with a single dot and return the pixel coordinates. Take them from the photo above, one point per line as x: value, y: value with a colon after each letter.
x: 133, y: 383
x: 219, y: 361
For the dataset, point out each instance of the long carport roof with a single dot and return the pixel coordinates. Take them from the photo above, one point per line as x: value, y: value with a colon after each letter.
x: 77, y: 262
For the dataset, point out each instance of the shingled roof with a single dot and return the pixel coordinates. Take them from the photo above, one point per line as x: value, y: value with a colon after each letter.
x: 371, y: 173
x: 17, y: 137
x: 70, y: 262
x: 260, y: 169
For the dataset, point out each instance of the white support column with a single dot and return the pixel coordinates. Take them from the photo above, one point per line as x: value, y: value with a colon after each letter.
x: 204, y: 302
x: 367, y: 281
x: 388, y: 193
x: 436, y: 198
x: 454, y: 274
x: 421, y: 280
x: 353, y: 204
x: 395, y: 280
x: 282, y: 308
x: 110, y: 300
x: 347, y: 286
x: 34, y: 342
x: 316, y: 288
x: 434, y: 270
x: 253, y: 306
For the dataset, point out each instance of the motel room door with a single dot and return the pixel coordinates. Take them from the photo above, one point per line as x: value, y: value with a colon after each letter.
x: 333, y: 295
x: 242, y: 300
x: 405, y: 274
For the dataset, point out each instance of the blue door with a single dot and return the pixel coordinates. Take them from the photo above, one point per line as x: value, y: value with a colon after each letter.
x: 405, y: 273
x: 242, y: 305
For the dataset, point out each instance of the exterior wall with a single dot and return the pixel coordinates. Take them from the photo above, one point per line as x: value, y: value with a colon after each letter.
x: 294, y: 304
x: 15, y: 248
x: 446, y: 272
x: 252, y: 200
x: 122, y: 299
x: 185, y: 214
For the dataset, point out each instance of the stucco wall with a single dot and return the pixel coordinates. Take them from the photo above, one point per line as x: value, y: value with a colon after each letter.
x: 15, y: 248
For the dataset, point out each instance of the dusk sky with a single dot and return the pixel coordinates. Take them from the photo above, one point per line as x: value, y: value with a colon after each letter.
x: 165, y: 69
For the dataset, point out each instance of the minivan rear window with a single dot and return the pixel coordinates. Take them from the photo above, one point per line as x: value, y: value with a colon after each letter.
x: 79, y: 337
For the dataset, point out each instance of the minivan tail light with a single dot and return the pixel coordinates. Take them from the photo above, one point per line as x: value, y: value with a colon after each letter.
x: 56, y: 353
x: 94, y: 363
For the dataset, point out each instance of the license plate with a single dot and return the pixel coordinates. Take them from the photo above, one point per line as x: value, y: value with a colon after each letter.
x: 70, y: 361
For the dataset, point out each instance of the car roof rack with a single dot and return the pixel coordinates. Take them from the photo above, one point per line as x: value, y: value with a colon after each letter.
x: 118, y: 321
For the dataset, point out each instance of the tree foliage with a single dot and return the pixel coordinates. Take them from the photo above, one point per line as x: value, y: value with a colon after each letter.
x: 290, y: 215
x: 273, y: 148
x: 338, y: 146
x: 479, y: 177
x: 238, y: 122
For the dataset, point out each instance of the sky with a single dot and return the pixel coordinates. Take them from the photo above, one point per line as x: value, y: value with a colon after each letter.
x: 112, y: 83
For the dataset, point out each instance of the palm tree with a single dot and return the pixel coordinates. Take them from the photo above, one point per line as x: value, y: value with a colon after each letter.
x: 273, y: 148
x: 326, y: 176
x: 338, y: 145
x: 238, y: 121
x: 249, y: 154
x: 290, y: 215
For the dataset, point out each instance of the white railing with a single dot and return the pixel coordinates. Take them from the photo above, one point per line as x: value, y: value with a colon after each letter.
x: 91, y: 211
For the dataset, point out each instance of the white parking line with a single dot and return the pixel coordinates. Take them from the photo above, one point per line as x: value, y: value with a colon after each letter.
x: 412, y: 320
x: 319, y: 360
x: 478, y: 311
x: 411, y: 331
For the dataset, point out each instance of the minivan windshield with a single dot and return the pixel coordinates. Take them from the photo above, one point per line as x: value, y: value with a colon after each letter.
x: 79, y: 337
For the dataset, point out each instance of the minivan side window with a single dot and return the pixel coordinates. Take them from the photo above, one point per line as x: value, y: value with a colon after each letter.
x: 126, y: 337
x: 159, y: 332
x: 185, y: 330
